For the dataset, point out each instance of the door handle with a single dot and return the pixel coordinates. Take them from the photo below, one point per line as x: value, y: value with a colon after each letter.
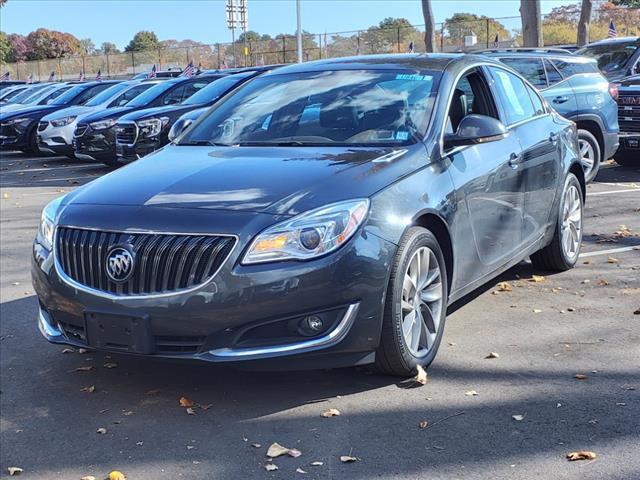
x: 553, y: 138
x: 514, y: 160
x: 561, y: 99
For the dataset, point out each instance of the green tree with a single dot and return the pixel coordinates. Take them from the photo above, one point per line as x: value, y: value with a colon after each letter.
x: 5, y: 48
x: 384, y: 37
x: 87, y: 46
x: 109, y: 48
x: 460, y: 25
x: 143, y: 40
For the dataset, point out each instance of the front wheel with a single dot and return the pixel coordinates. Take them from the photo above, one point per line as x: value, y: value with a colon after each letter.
x: 590, y: 154
x: 562, y: 253
x: 415, y: 307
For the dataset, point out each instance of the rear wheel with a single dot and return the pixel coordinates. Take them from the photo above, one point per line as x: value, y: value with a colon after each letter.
x: 590, y: 154
x: 562, y: 253
x: 415, y: 307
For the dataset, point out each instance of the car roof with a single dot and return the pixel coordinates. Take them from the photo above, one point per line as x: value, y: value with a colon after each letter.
x: 524, y: 51
x: 608, y: 41
x: 565, y: 57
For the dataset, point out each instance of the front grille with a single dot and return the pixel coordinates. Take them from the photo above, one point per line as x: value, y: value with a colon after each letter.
x: 81, y: 129
x: 162, y: 262
x: 629, y: 112
x: 126, y: 133
x: 42, y: 126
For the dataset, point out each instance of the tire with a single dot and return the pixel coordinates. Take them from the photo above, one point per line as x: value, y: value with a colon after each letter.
x: 588, y: 144
x: 628, y: 158
x: 556, y: 256
x: 395, y: 355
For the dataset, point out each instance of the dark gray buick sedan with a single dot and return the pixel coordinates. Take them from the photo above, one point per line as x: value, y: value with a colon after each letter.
x: 322, y: 215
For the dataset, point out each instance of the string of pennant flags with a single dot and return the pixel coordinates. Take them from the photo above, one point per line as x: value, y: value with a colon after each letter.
x: 190, y: 70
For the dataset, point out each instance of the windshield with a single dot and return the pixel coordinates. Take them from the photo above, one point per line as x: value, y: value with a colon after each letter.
x: 610, y: 57
x: 69, y: 95
x: 150, y: 95
x: 49, y: 95
x: 29, y: 93
x: 215, y: 89
x: 106, y: 95
x: 340, y: 107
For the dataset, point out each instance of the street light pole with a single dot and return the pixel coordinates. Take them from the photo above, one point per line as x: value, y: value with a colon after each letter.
x: 299, y: 32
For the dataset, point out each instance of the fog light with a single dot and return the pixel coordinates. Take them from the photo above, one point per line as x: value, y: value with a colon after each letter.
x: 311, y: 325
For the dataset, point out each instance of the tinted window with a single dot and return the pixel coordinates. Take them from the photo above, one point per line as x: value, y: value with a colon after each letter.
x: 174, y: 96
x: 611, y: 56
x: 215, y: 89
x: 553, y: 75
x: 69, y: 95
x: 151, y: 94
x: 31, y: 93
x: 191, y: 88
x: 513, y: 95
x: 50, y: 95
x: 127, y: 96
x: 572, y: 68
x: 91, y: 92
x: 338, y: 108
x: 530, y: 68
x: 538, y: 106
x: 106, y: 94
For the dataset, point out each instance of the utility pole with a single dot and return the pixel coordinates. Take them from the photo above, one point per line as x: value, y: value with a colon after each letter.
x: 299, y: 32
x: 237, y: 16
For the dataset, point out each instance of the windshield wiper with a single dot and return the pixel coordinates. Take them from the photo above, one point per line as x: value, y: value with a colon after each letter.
x: 204, y: 143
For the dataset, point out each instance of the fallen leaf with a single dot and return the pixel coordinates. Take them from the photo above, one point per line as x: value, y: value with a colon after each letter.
x: 256, y: 445
x: 581, y: 455
x: 101, y: 431
x: 206, y: 406
x: 603, y: 283
x: 471, y: 393
x: 580, y: 376
x: 423, y: 424
x: 332, y: 412
x: 270, y: 467
x: 518, y: 418
x: 275, y: 450
x: 492, y: 355
x: 504, y: 287
x: 190, y: 411
x: 88, y: 477
x: 536, y: 310
x: 621, y: 404
x: 82, y: 350
x: 14, y: 470
x: 348, y: 459
x: 110, y: 365
x: 571, y: 309
x: 185, y: 402
x: 537, y: 278
x: 587, y: 262
x: 299, y: 470
x: 116, y: 475
x: 421, y: 376
x: 68, y: 350
x: 139, y: 444
x: 90, y: 389
x: 6, y: 195
x: 612, y: 260
x: 86, y: 368
x: 585, y: 281
x: 127, y: 413
x: 637, y: 312
x: 190, y: 447
x: 293, y: 452
x: 316, y: 464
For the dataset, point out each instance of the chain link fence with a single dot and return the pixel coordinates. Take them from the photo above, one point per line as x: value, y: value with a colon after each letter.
x: 450, y: 37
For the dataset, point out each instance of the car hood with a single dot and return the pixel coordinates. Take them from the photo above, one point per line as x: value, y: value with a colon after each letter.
x: 68, y: 112
x: 172, y: 111
x: 194, y: 114
x: 276, y: 180
x: 28, y: 110
x: 115, y: 112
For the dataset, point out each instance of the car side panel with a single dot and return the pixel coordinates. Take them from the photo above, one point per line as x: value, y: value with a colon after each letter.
x: 562, y: 99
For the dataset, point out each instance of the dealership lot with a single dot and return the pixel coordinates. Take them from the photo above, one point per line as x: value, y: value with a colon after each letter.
x: 545, y: 332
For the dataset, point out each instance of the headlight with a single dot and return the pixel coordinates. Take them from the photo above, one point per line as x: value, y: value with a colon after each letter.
x: 309, y: 234
x: 102, y: 124
x: 152, y: 126
x: 63, y: 121
x: 47, y: 222
x: 18, y: 122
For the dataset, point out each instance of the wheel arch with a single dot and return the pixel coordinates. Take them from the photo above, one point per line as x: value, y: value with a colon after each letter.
x: 594, y: 128
x: 439, y: 228
x: 577, y: 170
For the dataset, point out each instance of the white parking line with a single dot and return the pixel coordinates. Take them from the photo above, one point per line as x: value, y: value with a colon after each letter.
x: 636, y: 190
x: 609, y: 251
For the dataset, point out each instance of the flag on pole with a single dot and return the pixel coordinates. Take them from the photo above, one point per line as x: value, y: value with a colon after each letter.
x: 496, y: 41
x: 223, y: 65
x: 81, y: 77
x: 5, y: 77
x: 99, y: 76
x: 30, y: 78
x: 199, y: 70
x: 188, y: 70
x: 52, y: 77
x: 411, y: 47
x: 152, y: 73
x: 613, y: 33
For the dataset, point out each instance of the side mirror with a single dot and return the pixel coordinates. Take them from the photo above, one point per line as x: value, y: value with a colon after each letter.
x: 474, y: 129
x: 179, y: 127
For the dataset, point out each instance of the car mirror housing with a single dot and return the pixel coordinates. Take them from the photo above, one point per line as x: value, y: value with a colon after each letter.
x: 179, y: 127
x: 475, y: 129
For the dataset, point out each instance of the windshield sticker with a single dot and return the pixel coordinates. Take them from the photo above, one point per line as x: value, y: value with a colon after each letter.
x: 402, y: 135
x: 414, y: 77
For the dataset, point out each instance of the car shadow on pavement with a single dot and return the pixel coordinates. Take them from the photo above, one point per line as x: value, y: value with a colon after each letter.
x: 618, y: 173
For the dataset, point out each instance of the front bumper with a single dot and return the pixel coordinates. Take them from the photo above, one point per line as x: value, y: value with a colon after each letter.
x: 131, y: 153
x: 56, y: 140
x: 99, y: 145
x: 350, y: 284
x: 611, y: 144
x: 630, y: 142
x: 13, y: 138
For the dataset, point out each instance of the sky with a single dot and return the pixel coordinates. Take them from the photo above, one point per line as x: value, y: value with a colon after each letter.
x: 204, y: 20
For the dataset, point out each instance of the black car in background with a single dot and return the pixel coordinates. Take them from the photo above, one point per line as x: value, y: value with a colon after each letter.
x: 18, y: 127
x: 617, y: 57
x: 629, y: 119
x: 95, y: 135
x: 324, y: 214
x: 143, y: 131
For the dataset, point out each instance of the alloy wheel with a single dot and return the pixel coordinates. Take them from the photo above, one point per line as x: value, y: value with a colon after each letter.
x: 571, y: 221
x: 422, y: 301
x: 587, y: 156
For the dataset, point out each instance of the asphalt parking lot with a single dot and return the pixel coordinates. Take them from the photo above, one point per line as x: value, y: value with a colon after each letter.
x: 545, y: 332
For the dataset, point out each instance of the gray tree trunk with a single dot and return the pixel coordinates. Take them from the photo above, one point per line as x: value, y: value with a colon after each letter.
x: 583, y: 23
x: 429, y: 26
x: 531, y: 16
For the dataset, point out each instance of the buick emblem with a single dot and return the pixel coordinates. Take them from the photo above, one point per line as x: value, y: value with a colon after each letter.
x: 119, y: 264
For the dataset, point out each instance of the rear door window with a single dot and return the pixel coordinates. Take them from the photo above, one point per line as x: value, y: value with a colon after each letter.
x: 513, y: 95
x: 530, y: 68
x: 130, y: 94
x: 192, y: 88
x: 553, y: 75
